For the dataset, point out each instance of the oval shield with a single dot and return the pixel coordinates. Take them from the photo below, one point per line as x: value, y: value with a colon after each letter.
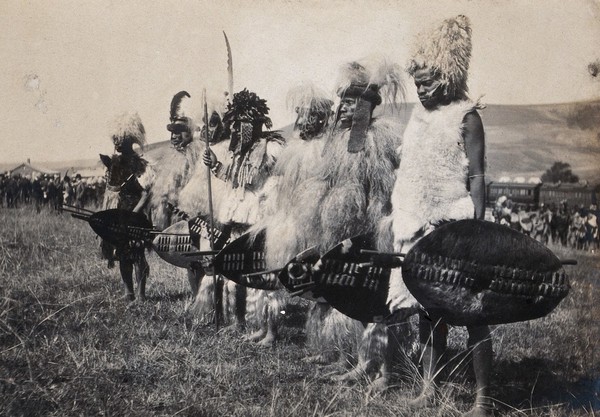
x: 473, y: 272
x: 119, y: 226
x: 243, y: 262
x: 174, y: 243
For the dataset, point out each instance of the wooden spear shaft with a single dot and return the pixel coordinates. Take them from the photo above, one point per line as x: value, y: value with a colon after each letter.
x: 210, y: 210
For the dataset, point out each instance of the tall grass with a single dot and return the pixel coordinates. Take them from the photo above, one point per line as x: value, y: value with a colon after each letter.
x: 70, y: 345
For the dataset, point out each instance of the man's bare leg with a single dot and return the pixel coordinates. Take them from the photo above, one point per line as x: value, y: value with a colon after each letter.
x: 480, y: 343
x: 126, y: 269
x: 194, y: 276
x: 142, y: 270
x: 433, y: 336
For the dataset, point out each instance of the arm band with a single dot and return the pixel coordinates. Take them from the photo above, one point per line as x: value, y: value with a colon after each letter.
x: 216, y: 170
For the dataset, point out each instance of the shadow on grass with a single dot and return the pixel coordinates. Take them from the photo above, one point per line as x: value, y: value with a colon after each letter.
x: 535, y: 382
x: 170, y: 297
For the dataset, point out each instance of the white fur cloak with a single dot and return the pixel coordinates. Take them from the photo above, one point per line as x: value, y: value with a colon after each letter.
x: 431, y: 183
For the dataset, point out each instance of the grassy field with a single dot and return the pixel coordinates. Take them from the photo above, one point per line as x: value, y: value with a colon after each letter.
x: 70, y: 345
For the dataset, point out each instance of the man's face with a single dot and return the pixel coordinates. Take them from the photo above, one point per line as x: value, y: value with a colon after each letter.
x: 310, y: 122
x: 123, y: 144
x: 346, y: 113
x: 429, y: 88
x: 181, y: 135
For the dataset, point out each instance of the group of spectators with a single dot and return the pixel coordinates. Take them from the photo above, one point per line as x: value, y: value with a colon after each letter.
x: 51, y: 191
x: 563, y: 224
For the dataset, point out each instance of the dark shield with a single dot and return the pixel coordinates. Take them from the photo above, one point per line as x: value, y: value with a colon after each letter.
x: 354, y: 282
x: 243, y: 262
x: 174, y: 243
x: 473, y: 272
x: 119, y: 226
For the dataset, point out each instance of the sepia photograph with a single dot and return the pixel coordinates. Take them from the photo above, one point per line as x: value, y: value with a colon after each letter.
x: 300, y: 208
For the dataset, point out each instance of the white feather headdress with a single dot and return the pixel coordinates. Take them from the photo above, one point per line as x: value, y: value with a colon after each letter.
x: 376, y: 72
x: 307, y: 95
x: 446, y: 50
x: 128, y: 125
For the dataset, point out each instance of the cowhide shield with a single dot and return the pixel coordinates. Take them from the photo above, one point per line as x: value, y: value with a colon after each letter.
x: 119, y: 226
x: 243, y: 262
x: 297, y: 275
x: 199, y: 228
x: 174, y: 243
x: 473, y: 272
x: 353, y: 282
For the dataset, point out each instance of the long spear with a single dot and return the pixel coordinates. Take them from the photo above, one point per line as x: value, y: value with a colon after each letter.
x: 210, y: 209
x: 229, y: 67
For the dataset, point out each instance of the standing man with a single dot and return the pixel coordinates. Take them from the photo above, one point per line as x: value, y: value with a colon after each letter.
x: 286, y: 234
x: 127, y: 188
x: 252, y: 156
x: 440, y: 179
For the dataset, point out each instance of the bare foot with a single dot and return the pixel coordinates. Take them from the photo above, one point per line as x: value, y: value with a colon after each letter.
x: 425, y: 399
x: 268, y: 341
x: 378, y: 386
x: 230, y: 329
x: 255, y: 336
x: 350, y: 376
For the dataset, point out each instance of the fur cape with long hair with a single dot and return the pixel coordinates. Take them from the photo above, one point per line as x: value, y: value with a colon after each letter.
x: 193, y: 198
x: 243, y: 204
x: 173, y: 171
x: 359, y: 185
x: 326, y: 194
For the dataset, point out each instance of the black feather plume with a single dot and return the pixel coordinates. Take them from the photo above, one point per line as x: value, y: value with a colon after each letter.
x: 176, y: 103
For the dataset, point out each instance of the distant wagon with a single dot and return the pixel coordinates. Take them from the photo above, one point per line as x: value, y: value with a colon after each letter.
x: 575, y: 194
x: 517, y: 192
x: 542, y: 193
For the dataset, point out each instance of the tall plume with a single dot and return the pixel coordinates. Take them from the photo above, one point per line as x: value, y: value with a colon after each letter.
x: 176, y: 104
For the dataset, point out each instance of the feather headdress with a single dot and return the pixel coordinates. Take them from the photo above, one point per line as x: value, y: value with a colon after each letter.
x: 249, y: 107
x: 308, y: 96
x: 370, y: 81
x: 446, y: 50
x: 128, y: 125
x: 313, y: 107
x: 180, y: 113
x: 376, y: 74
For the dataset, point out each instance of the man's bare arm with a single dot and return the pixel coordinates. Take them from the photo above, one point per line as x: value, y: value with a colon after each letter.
x: 475, y: 148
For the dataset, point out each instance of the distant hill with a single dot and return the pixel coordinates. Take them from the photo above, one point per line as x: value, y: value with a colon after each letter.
x: 521, y: 141
x: 527, y: 140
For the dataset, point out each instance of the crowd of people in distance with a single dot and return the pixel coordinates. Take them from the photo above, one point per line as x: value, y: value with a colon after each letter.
x: 572, y: 226
x: 50, y: 191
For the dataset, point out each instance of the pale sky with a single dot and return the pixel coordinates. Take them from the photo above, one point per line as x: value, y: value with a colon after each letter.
x: 68, y: 67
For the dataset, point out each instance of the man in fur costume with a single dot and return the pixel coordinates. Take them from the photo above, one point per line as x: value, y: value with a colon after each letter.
x: 355, y: 191
x: 285, y: 232
x: 440, y: 179
x: 193, y: 199
x: 127, y: 187
x: 176, y: 169
x: 245, y: 170
x: 337, y: 188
